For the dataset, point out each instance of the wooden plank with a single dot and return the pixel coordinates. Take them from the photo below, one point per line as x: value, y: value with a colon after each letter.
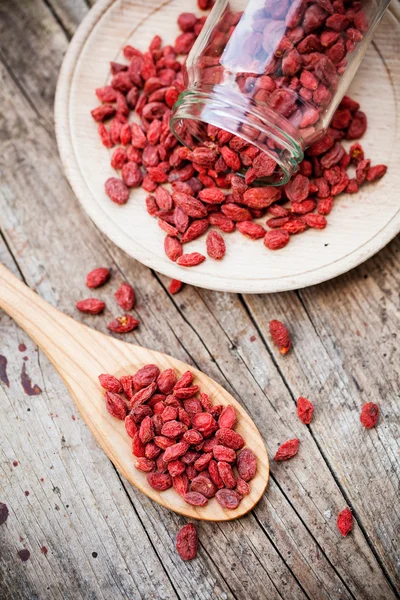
x: 335, y: 327
x: 289, y: 531
x: 68, y: 14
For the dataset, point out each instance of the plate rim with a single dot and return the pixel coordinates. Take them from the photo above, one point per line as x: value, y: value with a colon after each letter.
x: 214, y: 282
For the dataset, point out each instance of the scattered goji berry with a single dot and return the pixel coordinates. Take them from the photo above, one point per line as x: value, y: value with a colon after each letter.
x: 369, y: 415
x: 123, y: 324
x: 305, y: 410
x: 97, y: 277
x: 280, y: 336
x: 287, y: 450
x: 345, y: 521
x: 125, y: 296
x: 187, y: 542
x: 92, y: 306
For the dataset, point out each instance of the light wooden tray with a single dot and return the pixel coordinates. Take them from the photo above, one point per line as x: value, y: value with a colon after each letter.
x: 358, y: 226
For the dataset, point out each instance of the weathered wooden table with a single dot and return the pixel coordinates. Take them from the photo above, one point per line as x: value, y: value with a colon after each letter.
x: 103, y: 538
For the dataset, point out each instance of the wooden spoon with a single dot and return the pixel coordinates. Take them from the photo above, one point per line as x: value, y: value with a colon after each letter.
x: 81, y: 354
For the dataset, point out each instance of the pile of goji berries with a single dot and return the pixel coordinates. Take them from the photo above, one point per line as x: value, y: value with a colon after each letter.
x: 179, y: 438
x: 191, y: 191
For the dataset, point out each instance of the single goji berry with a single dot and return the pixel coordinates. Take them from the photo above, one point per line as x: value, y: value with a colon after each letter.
x: 287, y: 450
x: 116, y: 405
x: 280, y: 336
x: 190, y: 260
x: 110, y: 383
x: 305, y: 410
x: 92, y: 306
x: 125, y: 296
x: 97, y: 277
x: 123, y: 324
x: 345, y: 521
x: 215, y: 245
x: 369, y: 415
x: 228, y: 498
x: 187, y: 542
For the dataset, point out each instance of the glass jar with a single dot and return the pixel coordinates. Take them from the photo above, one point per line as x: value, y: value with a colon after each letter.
x: 273, y: 73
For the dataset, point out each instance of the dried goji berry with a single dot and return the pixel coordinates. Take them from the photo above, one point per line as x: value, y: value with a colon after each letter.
x: 287, y: 450
x: 274, y: 240
x: 305, y: 410
x: 173, y: 248
x: 187, y: 542
x: 228, y: 498
x: 97, y: 277
x: 159, y: 481
x: 92, y: 306
x: 123, y: 324
x: 125, y: 296
x: 116, y: 405
x: 175, y: 286
x: 345, y: 521
x: 223, y: 453
x: 130, y: 426
x: 116, y: 190
x: 246, y: 464
x: 280, y: 336
x: 229, y: 438
x: 110, y: 383
x: 215, y: 245
x: 190, y: 260
x: 226, y: 474
x: 369, y: 415
x: 376, y: 172
x: 195, y: 498
x: 176, y: 451
x: 227, y: 418
x: 181, y: 484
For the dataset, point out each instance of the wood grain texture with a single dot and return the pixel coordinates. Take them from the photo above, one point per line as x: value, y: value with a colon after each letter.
x: 356, y: 230
x: 81, y: 354
x: 288, y: 547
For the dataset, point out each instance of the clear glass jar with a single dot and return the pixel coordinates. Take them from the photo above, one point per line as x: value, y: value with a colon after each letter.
x: 273, y: 73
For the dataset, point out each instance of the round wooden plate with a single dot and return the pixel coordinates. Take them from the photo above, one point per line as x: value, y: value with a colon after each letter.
x: 358, y: 227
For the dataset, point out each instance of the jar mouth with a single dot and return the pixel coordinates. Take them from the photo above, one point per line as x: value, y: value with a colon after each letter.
x: 243, y: 117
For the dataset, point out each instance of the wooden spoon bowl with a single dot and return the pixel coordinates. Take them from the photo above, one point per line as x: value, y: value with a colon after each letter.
x: 81, y: 354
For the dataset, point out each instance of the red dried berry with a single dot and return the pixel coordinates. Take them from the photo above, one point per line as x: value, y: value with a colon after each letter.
x: 123, y: 324
x: 187, y: 542
x: 287, y: 450
x: 226, y: 474
x: 175, y: 286
x: 305, y: 410
x: 345, y: 522
x: 159, y: 481
x: 246, y: 464
x: 280, y: 336
x: 110, y: 383
x: 97, y: 277
x: 181, y: 484
x: 130, y: 426
x: 369, y: 415
x: 115, y: 405
x: 137, y: 446
x: 277, y: 239
x: 92, y: 306
x: 125, y: 296
x: 195, y: 499
x: 227, y: 418
x: 116, y: 190
x: 190, y: 260
x: 228, y: 498
x: 230, y: 438
x: 144, y: 464
x: 242, y: 487
x: 215, y: 245
x: 251, y: 230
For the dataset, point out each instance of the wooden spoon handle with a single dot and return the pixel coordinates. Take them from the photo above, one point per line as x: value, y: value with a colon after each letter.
x: 55, y: 333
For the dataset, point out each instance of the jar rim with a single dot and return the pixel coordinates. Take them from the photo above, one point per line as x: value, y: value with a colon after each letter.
x: 226, y: 110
